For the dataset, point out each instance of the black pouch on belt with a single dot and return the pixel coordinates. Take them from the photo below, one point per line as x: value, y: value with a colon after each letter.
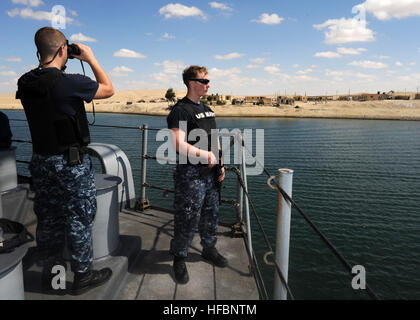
x: 74, y: 156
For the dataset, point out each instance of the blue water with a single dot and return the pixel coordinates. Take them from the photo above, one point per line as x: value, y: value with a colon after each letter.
x: 357, y: 180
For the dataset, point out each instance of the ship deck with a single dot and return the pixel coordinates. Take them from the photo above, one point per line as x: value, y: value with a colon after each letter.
x: 142, y: 265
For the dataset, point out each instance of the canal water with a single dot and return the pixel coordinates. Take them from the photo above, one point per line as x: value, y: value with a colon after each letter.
x: 357, y: 180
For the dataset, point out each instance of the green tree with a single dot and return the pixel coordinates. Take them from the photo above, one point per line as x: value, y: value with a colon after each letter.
x: 170, y: 95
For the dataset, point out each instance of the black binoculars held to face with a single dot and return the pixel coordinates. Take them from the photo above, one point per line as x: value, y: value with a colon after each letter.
x: 73, y: 50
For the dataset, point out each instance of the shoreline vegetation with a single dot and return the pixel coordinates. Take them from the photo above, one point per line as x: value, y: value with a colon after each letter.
x: 152, y: 103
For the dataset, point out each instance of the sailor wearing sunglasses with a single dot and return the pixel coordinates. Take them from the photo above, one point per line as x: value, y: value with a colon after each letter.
x: 196, y: 199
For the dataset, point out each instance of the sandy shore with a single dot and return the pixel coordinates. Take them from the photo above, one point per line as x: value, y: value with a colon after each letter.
x: 138, y: 102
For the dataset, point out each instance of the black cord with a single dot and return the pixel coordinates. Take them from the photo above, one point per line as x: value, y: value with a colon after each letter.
x: 93, y: 104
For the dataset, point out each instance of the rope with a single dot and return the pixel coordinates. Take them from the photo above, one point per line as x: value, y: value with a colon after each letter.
x: 327, y: 242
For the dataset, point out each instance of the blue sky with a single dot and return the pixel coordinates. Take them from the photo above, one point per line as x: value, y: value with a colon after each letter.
x: 249, y: 47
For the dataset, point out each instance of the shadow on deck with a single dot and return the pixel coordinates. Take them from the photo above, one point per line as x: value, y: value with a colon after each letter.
x: 142, y: 266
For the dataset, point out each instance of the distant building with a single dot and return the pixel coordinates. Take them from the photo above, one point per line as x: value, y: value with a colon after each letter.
x: 285, y: 100
x: 402, y: 97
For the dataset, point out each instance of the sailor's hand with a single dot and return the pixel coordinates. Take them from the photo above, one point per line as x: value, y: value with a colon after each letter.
x: 211, y: 159
x: 86, y: 53
x: 222, y: 176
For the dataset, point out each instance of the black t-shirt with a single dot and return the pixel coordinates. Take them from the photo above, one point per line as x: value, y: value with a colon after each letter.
x: 5, y: 133
x: 178, y: 113
x: 70, y: 90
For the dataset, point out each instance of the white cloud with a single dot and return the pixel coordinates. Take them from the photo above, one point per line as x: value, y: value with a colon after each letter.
x: 166, y: 36
x: 80, y: 37
x: 369, y: 64
x: 230, y: 56
x: 9, y: 73
x: 383, y: 57
x: 177, y: 10
x: 266, y: 18
x: 345, y: 31
x: 351, y: 51
x: 120, y: 72
x: 32, y: 3
x: 74, y: 13
x: 387, y: 9
x: 306, y: 71
x: 398, y: 64
x: 219, y: 5
x: 364, y: 76
x: 171, y: 67
x: 305, y: 78
x: 296, y: 65
x: 215, y: 73
x: 328, y: 55
x: 253, y: 66
x: 274, y: 69
x: 13, y: 59
x: 126, y: 53
x: 333, y: 73
x: 258, y: 60
x: 171, y: 71
x: 28, y: 13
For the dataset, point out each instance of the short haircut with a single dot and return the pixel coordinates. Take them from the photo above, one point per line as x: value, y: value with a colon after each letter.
x: 48, y: 40
x: 191, y: 73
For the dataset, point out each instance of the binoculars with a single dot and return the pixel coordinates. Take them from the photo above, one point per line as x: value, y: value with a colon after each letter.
x: 73, y: 50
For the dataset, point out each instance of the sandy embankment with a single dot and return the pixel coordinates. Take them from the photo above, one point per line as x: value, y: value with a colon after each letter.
x: 132, y: 102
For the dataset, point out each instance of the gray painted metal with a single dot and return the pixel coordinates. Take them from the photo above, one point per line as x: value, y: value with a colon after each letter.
x: 284, y: 210
x: 11, y: 283
x: 244, y: 179
x: 8, y: 174
x: 143, y: 165
x: 115, y: 162
x: 105, y: 232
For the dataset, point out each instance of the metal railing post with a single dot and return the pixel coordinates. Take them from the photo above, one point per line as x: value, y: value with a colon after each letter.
x: 240, y: 200
x: 245, y: 182
x: 143, y: 202
x: 283, y: 233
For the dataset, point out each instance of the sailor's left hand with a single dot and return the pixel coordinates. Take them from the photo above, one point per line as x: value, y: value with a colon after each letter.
x: 222, y: 176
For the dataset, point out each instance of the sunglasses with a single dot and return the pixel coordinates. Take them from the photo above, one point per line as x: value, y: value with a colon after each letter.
x: 203, y: 81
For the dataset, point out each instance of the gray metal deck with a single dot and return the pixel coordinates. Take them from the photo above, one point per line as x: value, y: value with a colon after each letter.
x: 142, y: 266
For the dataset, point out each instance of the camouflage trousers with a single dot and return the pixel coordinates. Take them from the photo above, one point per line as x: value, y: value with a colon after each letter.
x: 196, y: 203
x: 65, y: 205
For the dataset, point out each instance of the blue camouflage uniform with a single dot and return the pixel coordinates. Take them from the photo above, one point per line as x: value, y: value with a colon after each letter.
x: 196, y: 200
x: 65, y: 205
x: 65, y: 195
x: 196, y: 203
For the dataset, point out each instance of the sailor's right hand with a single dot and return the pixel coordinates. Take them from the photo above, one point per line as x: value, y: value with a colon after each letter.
x: 211, y: 159
x: 86, y: 53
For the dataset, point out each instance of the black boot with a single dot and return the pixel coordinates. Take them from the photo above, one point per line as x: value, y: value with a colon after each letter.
x: 48, y: 277
x: 212, y: 255
x: 180, y: 270
x: 88, y: 280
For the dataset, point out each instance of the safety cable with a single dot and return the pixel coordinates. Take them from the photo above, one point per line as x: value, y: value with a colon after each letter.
x: 327, y: 242
x: 286, y: 196
x: 283, y: 280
